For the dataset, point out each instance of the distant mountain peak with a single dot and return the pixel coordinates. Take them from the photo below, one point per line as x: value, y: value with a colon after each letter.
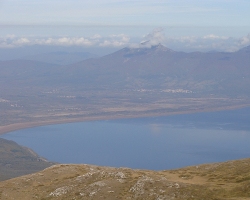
x: 146, y: 49
x: 246, y: 49
x: 160, y: 47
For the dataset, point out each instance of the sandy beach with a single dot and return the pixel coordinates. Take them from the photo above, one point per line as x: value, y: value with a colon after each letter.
x: 19, y: 126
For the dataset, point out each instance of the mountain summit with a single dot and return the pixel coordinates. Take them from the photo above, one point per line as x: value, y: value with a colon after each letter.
x: 157, y: 67
x: 160, y: 47
x: 145, y: 50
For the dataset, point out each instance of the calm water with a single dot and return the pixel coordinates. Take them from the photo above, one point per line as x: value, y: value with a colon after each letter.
x: 156, y: 143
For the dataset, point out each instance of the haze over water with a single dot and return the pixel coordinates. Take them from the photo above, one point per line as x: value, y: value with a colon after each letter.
x: 155, y: 143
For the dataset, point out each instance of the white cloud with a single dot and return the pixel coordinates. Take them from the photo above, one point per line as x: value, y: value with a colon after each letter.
x: 96, y: 36
x: 63, y: 41
x: 21, y: 41
x: 122, y: 37
x: 212, y: 36
x: 188, y: 39
x: 151, y: 39
x: 107, y: 43
x: 10, y: 36
x: 11, y: 41
x: 155, y: 37
x: 183, y: 43
x: 115, y: 41
x: 207, y: 43
x: 245, y: 40
x: 66, y: 41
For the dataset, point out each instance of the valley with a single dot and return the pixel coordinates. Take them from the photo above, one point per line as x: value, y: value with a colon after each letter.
x: 128, y: 83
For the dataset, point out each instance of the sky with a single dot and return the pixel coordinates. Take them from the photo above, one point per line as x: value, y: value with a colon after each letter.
x: 189, y: 25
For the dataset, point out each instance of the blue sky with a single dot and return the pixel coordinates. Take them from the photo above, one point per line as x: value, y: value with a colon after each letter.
x: 111, y: 19
x: 126, y: 12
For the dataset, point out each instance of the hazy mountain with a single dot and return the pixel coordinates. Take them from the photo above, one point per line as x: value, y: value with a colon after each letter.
x: 154, y: 80
x: 31, y: 50
x: 20, y: 73
x: 162, y: 68
x: 60, y: 57
x: 149, y: 68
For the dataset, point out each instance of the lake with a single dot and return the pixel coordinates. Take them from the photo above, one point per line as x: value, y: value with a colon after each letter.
x: 155, y: 143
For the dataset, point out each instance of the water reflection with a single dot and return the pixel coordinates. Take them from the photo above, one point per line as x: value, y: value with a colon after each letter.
x: 156, y: 129
x: 145, y: 143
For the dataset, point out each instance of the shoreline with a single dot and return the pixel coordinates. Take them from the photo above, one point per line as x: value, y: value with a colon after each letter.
x: 25, y: 125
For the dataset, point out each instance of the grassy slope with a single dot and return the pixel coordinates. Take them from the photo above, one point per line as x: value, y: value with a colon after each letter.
x: 228, y: 180
x: 16, y: 160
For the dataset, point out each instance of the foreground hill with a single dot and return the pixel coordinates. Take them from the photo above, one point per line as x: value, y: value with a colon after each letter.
x: 16, y: 160
x: 220, y: 181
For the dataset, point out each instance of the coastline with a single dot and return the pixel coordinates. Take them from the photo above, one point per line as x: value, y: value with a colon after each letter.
x: 25, y: 125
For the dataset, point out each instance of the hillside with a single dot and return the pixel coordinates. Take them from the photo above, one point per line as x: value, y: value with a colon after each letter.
x: 229, y: 180
x: 16, y: 160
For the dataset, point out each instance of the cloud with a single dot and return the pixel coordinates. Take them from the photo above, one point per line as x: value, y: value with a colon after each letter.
x: 192, y: 43
x: 10, y: 36
x: 154, y: 38
x: 21, y: 41
x: 208, y: 42
x: 122, y: 37
x: 115, y: 41
x: 66, y: 41
x: 11, y: 41
x: 151, y: 39
x: 107, y: 43
x: 205, y: 43
x: 187, y: 39
x: 212, y: 36
x: 245, y: 40
x: 96, y: 36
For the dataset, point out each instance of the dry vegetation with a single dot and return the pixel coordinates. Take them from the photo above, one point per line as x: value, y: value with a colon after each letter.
x: 228, y: 180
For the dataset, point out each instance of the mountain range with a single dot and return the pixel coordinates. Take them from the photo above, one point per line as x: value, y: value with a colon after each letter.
x: 143, y: 68
x: 60, y: 57
x: 161, y: 68
x: 131, y: 82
